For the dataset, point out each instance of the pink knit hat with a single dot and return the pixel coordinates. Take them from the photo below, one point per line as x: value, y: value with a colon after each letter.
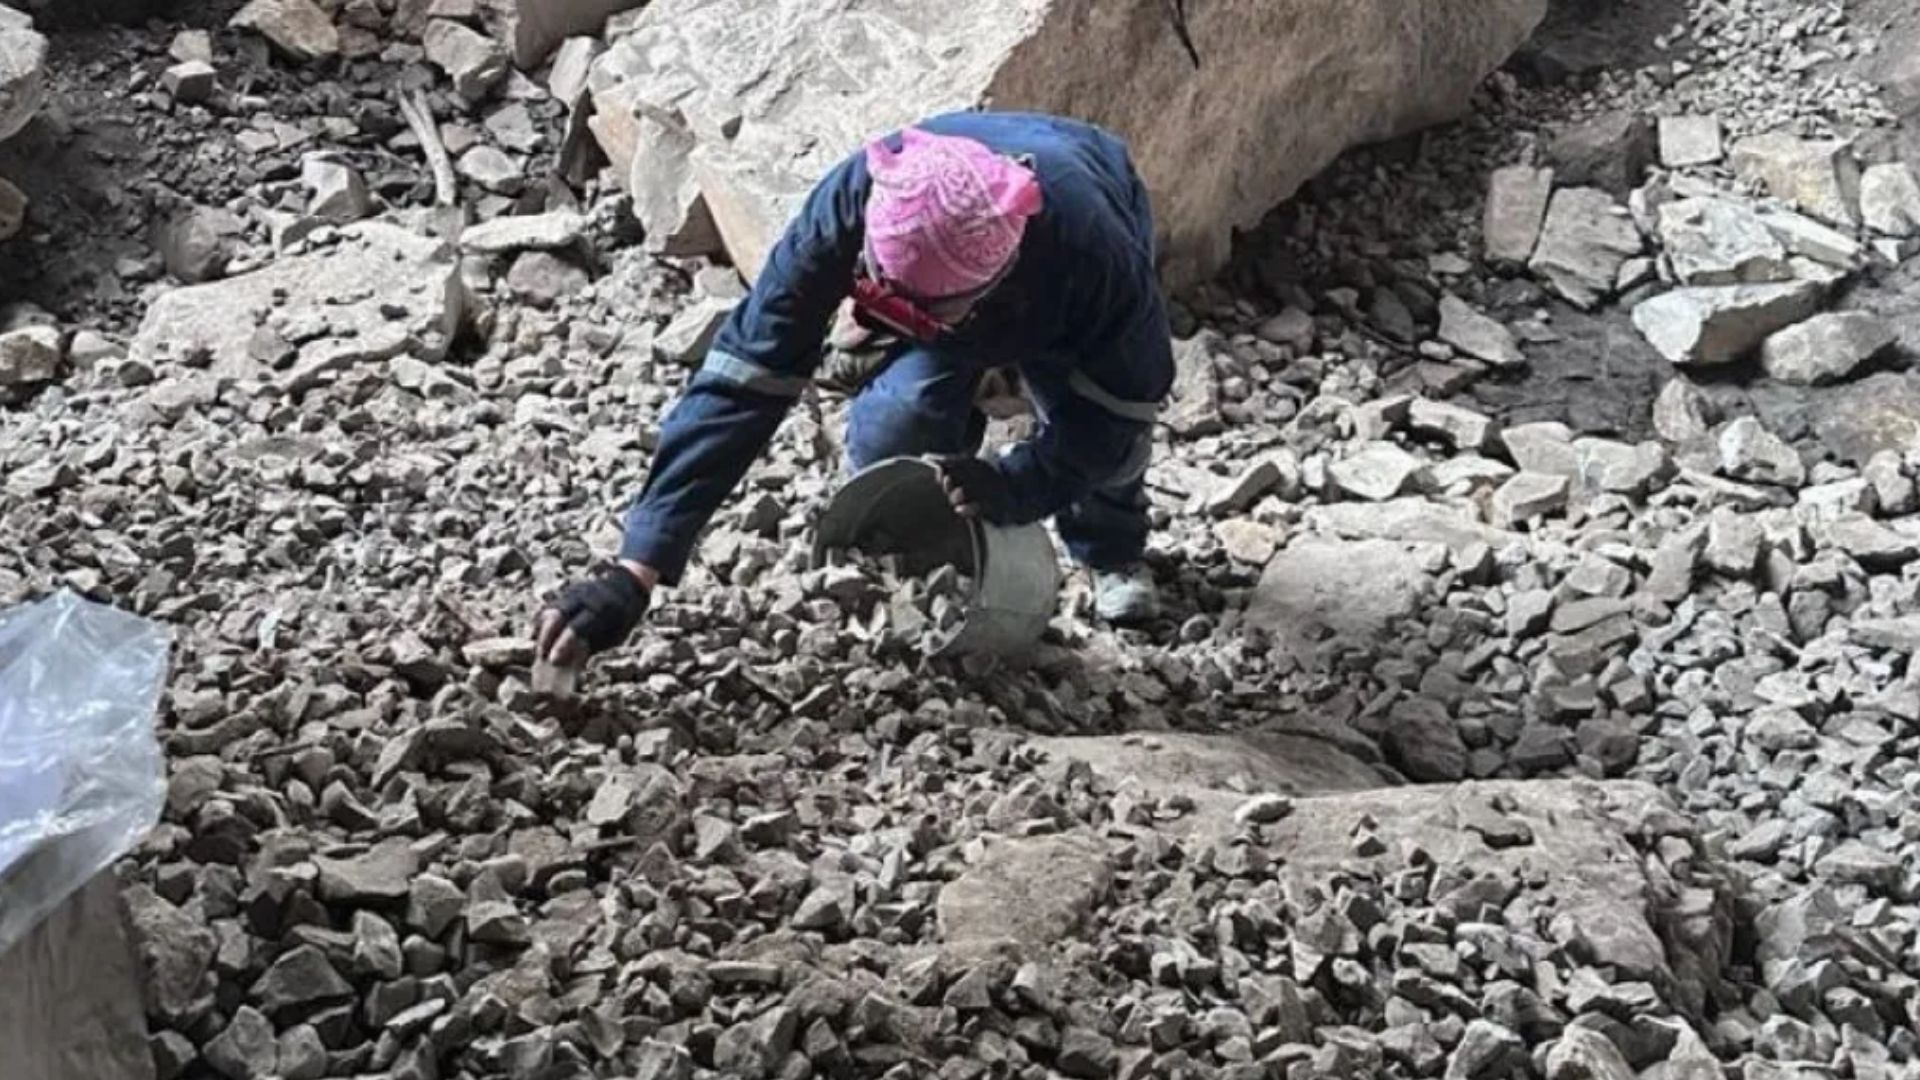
x: 946, y: 214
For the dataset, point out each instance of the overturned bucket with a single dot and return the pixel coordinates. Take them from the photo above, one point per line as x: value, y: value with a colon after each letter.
x: 897, y: 507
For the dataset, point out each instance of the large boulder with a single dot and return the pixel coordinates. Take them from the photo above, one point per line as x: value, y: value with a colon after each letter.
x: 769, y: 94
x: 23, y: 76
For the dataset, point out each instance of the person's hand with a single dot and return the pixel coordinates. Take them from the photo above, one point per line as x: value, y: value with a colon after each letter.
x: 976, y: 488
x: 594, y: 615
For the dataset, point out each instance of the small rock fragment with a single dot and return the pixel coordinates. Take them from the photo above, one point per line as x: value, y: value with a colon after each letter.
x: 1528, y: 496
x: 190, y: 81
x: 1749, y: 452
x: 1377, y: 472
x: 337, y: 193
x: 1479, y: 336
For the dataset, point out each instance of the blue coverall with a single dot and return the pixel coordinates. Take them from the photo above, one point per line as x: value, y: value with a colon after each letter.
x: 1080, y: 313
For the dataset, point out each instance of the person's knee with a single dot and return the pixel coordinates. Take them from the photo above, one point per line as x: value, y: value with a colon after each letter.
x: 914, y: 407
x: 881, y: 427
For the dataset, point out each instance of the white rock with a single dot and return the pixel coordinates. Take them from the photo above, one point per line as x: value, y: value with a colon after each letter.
x: 1751, y: 453
x: 301, y: 29
x: 1516, y: 207
x: 1544, y: 446
x: 1718, y: 242
x: 89, y: 351
x: 1277, y: 472
x: 492, y: 169
x: 1819, y: 176
x: 667, y: 201
x: 1620, y: 468
x: 1378, y: 471
x: 23, y: 77
x: 190, y: 80
x: 1718, y: 324
x: 475, y: 62
x: 30, y: 354
x: 1681, y: 413
x: 1585, y: 241
x: 1826, y: 347
x: 1461, y: 428
x: 1479, y: 336
x: 1806, y: 237
x: 1528, y: 496
x: 551, y: 231
x: 1690, y: 140
x: 337, y: 193
x: 1248, y: 541
x: 1460, y: 474
x: 190, y: 45
x: 1890, y: 200
x: 686, y: 338
x: 1893, y: 490
x: 571, y: 65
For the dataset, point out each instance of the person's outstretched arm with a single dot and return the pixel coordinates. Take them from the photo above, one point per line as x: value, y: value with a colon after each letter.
x: 759, y: 364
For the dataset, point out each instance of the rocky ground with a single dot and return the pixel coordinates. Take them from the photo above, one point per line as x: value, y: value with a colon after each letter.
x: 1536, y: 513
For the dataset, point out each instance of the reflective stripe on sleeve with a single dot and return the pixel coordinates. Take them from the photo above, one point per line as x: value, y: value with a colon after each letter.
x: 748, y: 375
x: 1143, y: 412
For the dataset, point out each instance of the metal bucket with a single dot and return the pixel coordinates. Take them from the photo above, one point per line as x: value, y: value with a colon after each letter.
x: 897, y: 507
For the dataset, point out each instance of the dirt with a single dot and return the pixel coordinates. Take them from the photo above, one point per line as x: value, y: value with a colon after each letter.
x: 105, y: 167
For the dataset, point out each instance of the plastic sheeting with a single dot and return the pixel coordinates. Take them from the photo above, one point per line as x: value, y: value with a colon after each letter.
x: 81, y: 774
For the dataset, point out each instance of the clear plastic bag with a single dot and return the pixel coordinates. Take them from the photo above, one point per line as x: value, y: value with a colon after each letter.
x: 82, y: 778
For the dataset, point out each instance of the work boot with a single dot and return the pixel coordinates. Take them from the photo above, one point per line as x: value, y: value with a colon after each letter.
x: 1126, y: 596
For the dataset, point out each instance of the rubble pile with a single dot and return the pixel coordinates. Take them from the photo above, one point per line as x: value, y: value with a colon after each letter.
x: 1534, y: 514
x: 884, y: 603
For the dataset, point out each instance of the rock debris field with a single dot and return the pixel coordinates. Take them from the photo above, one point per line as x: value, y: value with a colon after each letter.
x: 1536, y: 512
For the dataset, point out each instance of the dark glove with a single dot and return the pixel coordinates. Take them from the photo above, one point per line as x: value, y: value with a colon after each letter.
x: 977, y: 487
x: 601, y: 610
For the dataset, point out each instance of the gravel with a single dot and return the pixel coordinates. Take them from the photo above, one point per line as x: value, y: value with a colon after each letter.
x: 773, y: 837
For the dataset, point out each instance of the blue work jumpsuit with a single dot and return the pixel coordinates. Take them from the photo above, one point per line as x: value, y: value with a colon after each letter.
x: 1080, y: 314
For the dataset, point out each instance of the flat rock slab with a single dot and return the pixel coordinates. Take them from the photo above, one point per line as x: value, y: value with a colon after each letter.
x: 1876, y: 414
x: 1353, y: 589
x: 1819, y: 176
x: 1516, y: 207
x: 1587, y: 238
x: 380, y: 293
x: 1030, y: 891
x: 1718, y: 324
x: 1719, y: 242
x: 1571, y: 835
x: 1220, y: 772
x: 773, y: 93
x: 1410, y: 519
x: 1826, y: 347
